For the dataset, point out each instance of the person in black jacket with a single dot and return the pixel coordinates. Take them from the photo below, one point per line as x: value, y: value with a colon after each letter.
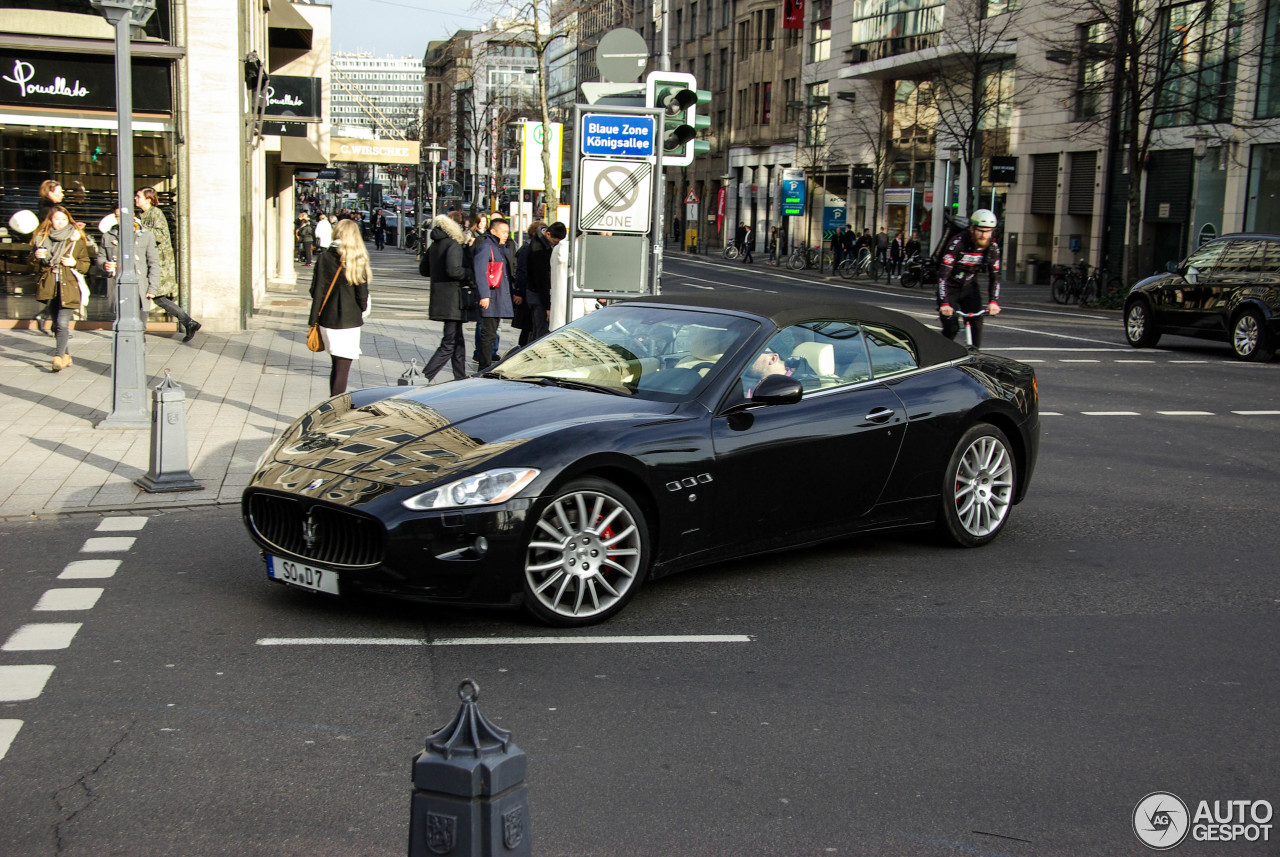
x: 344, y: 267
x: 538, y: 281
x: 452, y: 291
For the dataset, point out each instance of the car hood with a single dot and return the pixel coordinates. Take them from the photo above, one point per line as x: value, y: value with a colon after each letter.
x: 424, y: 435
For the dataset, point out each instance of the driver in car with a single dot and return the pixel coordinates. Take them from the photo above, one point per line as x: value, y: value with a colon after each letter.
x: 770, y: 362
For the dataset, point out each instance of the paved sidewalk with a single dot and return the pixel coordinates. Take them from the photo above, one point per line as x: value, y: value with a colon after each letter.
x: 242, y: 389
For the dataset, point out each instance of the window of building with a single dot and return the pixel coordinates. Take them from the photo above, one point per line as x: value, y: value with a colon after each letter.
x: 757, y: 21
x: 1199, y: 46
x: 724, y: 69
x: 1268, y: 105
x: 705, y: 80
x: 1096, y: 44
x: 820, y: 32
x: 991, y: 8
x: 770, y: 27
x: 888, y: 27
x: 755, y: 104
x: 726, y: 13
x: 789, y: 98
x: 679, y: 27
x: 816, y: 101
x: 693, y: 21
x: 744, y: 33
x: 1262, y: 211
x: 766, y: 103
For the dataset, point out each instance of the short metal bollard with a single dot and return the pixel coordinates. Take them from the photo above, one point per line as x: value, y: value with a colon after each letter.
x: 168, y: 471
x: 412, y: 376
x: 469, y: 797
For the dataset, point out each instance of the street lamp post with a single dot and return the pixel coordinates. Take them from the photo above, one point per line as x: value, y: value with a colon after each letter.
x: 434, y: 151
x: 128, y: 364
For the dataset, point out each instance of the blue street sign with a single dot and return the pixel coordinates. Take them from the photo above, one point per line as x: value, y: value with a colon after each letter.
x: 793, y: 186
x: 832, y: 218
x: 618, y: 135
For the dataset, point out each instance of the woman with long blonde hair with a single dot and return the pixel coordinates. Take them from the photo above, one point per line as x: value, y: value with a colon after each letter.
x: 340, y: 299
x: 60, y: 251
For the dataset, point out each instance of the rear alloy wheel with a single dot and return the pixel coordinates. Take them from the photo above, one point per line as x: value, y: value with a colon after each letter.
x: 1139, y: 327
x: 1249, y: 337
x: 979, y: 487
x: 588, y: 553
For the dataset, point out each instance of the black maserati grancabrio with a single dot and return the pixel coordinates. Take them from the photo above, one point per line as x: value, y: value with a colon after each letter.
x: 645, y: 438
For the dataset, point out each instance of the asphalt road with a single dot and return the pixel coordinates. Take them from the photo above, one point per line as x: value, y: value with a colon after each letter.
x: 892, y: 696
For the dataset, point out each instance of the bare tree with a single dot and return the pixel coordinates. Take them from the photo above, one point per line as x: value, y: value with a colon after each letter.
x: 530, y: 25
x: 971, y: 83
x: 1142, y: 66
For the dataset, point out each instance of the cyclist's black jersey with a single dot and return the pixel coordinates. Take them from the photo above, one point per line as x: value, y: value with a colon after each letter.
x: 962, y: 259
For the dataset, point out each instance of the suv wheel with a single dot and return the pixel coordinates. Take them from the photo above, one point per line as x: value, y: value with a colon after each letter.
x: 1249, y: 337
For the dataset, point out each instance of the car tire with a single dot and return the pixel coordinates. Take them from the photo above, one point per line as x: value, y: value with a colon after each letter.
x: 1249, y: 337
x: 978, y: 487
x: 1139, y: 327
x: 586, y: 554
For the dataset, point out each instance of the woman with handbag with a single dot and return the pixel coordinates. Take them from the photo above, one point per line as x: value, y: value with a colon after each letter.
x: 491, y: 267
x: 340, y: 300
x: 60, y: 253
x: 453, y: 291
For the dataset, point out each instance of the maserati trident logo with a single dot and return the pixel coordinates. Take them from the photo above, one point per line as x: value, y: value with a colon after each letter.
x: 309, y: 531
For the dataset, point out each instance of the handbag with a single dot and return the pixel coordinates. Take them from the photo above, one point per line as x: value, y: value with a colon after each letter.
x: 493, y: 273
x: 315, y: 342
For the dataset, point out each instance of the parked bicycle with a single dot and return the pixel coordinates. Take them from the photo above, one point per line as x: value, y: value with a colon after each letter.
x: 862, y: 265
x: 808, y: 257
x: 1078, y: 284
x: 732, y: 251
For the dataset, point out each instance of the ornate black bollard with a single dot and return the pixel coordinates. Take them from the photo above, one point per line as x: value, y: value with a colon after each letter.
x: 412, y: 377
x: 469, y: 796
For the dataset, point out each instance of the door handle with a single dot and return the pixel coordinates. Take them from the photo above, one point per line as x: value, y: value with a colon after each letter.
x: 879, y: 415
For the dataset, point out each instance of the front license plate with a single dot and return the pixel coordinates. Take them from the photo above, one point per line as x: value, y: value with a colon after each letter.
x: 305, y: 576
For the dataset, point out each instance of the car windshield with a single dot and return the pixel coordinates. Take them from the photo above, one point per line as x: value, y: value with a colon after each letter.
x: 654, y: 353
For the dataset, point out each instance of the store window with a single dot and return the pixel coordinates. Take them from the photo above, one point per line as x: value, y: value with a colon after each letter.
x: 1200, y: 43
x: 158, y: 25
x: 1263, y: 209
x: 1268, y: 105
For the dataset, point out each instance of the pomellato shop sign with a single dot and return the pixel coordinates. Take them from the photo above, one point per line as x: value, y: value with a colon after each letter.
x: 80, y: 82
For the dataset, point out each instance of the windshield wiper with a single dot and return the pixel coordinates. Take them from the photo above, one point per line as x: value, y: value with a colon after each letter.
x: 572, y: 384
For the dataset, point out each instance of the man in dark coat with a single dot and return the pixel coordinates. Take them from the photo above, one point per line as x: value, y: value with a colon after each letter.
x: 452, y: 288
x: 538, y: 282
x: 492, y: 267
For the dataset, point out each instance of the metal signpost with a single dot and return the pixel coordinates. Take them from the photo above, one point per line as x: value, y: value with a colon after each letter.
x: 617, y: 223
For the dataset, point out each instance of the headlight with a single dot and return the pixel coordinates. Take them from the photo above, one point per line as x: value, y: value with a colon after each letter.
x: 483, y: 489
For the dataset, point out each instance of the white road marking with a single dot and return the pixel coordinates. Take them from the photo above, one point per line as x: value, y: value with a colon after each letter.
x: 1111, y: 413
x: 1078, y: 360
x: 121, y: 525
x: 108, y: 544
x: 69, y: 599
x: 1185, y: 413
x: 86, y: 569
x: 500, y: 641
x: 1050, y: 414
x: 8, y: 731
x: 1134, y: 361
x: 41, y: 637
x: 20, y: 683
x: 1188, y: 361
x: 1257, y: 413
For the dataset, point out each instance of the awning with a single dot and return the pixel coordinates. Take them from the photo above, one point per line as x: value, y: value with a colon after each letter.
x: 299, y: 150
x: 928, y: 61
x: 287, y: 27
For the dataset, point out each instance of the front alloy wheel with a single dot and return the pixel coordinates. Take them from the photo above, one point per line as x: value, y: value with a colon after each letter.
x: 587, y: 554
x: 979, y: 487
x: 1139, y: 328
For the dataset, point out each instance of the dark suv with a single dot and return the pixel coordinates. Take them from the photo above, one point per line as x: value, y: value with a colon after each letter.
x: 1227, y: 290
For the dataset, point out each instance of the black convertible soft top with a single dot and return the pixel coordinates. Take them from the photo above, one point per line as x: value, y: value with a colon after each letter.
x: 784, y: 310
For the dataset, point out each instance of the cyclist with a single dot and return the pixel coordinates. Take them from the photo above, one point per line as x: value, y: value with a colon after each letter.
x: 962, y: 258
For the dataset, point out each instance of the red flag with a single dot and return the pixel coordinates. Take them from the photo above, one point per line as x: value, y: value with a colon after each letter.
x: 793, y: 15
x: 720, y: 210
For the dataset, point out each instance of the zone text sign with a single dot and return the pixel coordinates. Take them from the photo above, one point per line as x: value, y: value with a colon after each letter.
x: 615, y: 196
x: 615, y: 135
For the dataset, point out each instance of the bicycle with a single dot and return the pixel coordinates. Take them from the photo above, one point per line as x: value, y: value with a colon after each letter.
x: 917, y: 271
x: 731, y: 251
x: 411, y: 239
x: 861, y: 266
x: 968, y: 328
x: 808, y: 257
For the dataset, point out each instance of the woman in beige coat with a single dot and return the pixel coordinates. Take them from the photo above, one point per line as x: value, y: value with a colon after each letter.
x: 60, y: 253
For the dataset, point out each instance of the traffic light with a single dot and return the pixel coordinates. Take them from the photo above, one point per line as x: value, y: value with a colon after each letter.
x: 677, y: 94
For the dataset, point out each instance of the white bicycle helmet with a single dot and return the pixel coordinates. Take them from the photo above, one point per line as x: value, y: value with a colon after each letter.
x: 983, y: 218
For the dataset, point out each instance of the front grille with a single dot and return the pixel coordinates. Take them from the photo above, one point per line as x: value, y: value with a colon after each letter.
x: 338, y: 537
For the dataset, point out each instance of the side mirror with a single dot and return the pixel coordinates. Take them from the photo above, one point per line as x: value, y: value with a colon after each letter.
x: 778, y: 390
x: 1172, y: 267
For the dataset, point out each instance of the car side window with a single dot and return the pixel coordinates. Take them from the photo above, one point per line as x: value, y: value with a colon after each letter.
x: 1238, y: 257
x: 1206, y: 258
x: 891, y: 351
x: 1268, y: 258
x: 820, y: 354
